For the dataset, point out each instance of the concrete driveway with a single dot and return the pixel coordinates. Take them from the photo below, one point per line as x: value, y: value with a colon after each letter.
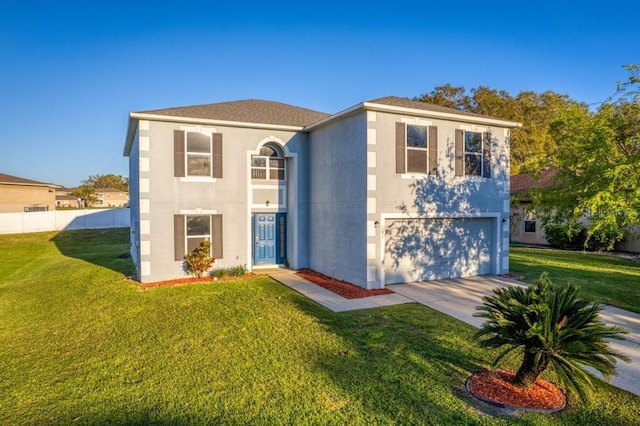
x: 459, y: 298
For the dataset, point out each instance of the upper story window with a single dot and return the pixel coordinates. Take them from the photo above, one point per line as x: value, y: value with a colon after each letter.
x: 416, y: 149
x: 269, y: 164
x: 473, y: 153
x: 197, y: 154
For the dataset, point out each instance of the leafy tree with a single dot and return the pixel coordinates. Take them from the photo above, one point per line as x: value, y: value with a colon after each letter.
x: 448, y: 96
x: 598, y: 158
x: 553, y: 326
x: 107, y: 181
x: 532, y: 146
x: 199, y: 260
x: 87, y: 193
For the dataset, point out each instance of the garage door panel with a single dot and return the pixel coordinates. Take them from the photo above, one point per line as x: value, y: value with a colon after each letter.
x: 426, y: 249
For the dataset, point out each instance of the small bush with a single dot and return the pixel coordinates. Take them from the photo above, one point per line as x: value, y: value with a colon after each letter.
x: 199, y: 260
x: 237, y: 271
x: 219, y: 273
x: 565, y: 236
x: 604, y: 239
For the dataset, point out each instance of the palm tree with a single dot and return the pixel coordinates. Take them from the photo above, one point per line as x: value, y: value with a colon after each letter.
x: 554, y: 326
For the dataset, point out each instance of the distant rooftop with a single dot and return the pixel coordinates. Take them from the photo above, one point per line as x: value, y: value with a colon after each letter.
x: 15, y: 180
x: 522, y: 183
x: 109, y: 190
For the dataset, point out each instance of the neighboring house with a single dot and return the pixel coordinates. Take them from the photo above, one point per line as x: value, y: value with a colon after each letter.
x: 527, y: 228
x: 390, y: 190
x: 111, y: 197
x: 67, y: 201
x: 25, y: 195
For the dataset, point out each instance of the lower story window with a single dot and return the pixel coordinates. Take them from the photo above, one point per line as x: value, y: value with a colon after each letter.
x: 36, y: 208
x: 529, y: 226
x: 198, y: 230
x: 192, y: 229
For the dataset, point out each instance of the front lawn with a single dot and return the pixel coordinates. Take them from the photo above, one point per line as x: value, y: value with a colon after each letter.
x: 605, y: 278
x: 80, y: 343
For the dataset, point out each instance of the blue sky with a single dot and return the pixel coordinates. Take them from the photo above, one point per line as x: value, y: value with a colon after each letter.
x: 71, y: 71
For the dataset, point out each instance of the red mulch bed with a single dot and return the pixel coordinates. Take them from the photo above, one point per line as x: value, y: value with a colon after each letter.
x: 512, y: 276
x: 498, y: 388
x: 191, y: 280
x: 343, y: 288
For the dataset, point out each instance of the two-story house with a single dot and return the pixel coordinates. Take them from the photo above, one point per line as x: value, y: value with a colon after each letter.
x: 389, y: 190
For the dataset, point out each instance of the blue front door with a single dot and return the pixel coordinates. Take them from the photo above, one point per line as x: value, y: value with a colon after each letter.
x: 265, y: 236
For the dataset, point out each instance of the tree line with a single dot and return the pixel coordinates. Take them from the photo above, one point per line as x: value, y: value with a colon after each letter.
x: 88, y: 187
x: 596, y: 150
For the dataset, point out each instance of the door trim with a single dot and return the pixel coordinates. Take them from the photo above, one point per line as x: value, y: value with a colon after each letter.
x: 280, y: 239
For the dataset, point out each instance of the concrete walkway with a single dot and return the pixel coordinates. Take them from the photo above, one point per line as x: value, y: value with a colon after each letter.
x: 459, y: 298
x: 330, y: 300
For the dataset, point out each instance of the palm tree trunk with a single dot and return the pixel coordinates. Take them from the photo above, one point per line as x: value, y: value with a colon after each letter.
x: 529, y: 371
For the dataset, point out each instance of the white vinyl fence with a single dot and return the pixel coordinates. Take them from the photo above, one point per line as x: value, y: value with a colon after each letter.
x: 58, y: 220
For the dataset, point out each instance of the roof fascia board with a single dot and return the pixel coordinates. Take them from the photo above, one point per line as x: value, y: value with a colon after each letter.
x: 437, y: 114
x: 335, y: 116
x: 131, y: 131
x: 178, y: 119
x: 371, y: 106
x: 48, y: 185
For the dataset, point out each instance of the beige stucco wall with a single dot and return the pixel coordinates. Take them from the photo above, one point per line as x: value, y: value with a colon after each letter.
x: 518, y: 215
x: 113, y: 199
x: 14, y: 198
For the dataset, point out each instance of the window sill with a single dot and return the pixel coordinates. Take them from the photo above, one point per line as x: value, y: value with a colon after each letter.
x: 414, y: 176
x: 474, y: 178
x: 198, y: 179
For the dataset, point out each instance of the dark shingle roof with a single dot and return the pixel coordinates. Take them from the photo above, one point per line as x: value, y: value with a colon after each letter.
x: 522, y: 183
x: 247, y: 111
x: 109, y: 190
x: 408, y: 103
x: 18, y: 180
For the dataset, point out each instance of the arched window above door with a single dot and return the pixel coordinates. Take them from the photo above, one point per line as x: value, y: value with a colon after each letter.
x: 269, y: 164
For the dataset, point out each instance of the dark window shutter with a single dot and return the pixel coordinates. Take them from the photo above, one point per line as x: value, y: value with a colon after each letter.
x: 178, y: 236
x: 216, y: 236
x: 400, y: 147
x: 486, y: 151
x: 217, y: 155
x: 433, y: 150
x: 459, y: 153
x: 178, y: 153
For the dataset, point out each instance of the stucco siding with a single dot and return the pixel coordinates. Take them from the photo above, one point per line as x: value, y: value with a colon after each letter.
x: 229, y: 196
x: 338, y: 159
x: 134, y: 203
x: 14, y: 198
x: 415, y: 195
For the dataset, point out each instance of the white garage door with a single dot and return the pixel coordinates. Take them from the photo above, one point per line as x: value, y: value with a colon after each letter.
x: 430, y: 249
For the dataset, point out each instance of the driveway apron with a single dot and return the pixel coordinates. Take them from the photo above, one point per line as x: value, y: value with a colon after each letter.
x: 459, y: 298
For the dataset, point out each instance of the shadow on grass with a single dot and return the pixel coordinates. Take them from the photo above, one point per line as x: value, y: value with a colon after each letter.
x: 404, y: 364
x: 606, y: 279
x: 108, y: 248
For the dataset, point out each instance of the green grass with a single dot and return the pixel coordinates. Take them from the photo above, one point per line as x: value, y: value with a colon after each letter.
x: 604, y: 278
x: 80, y: 343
